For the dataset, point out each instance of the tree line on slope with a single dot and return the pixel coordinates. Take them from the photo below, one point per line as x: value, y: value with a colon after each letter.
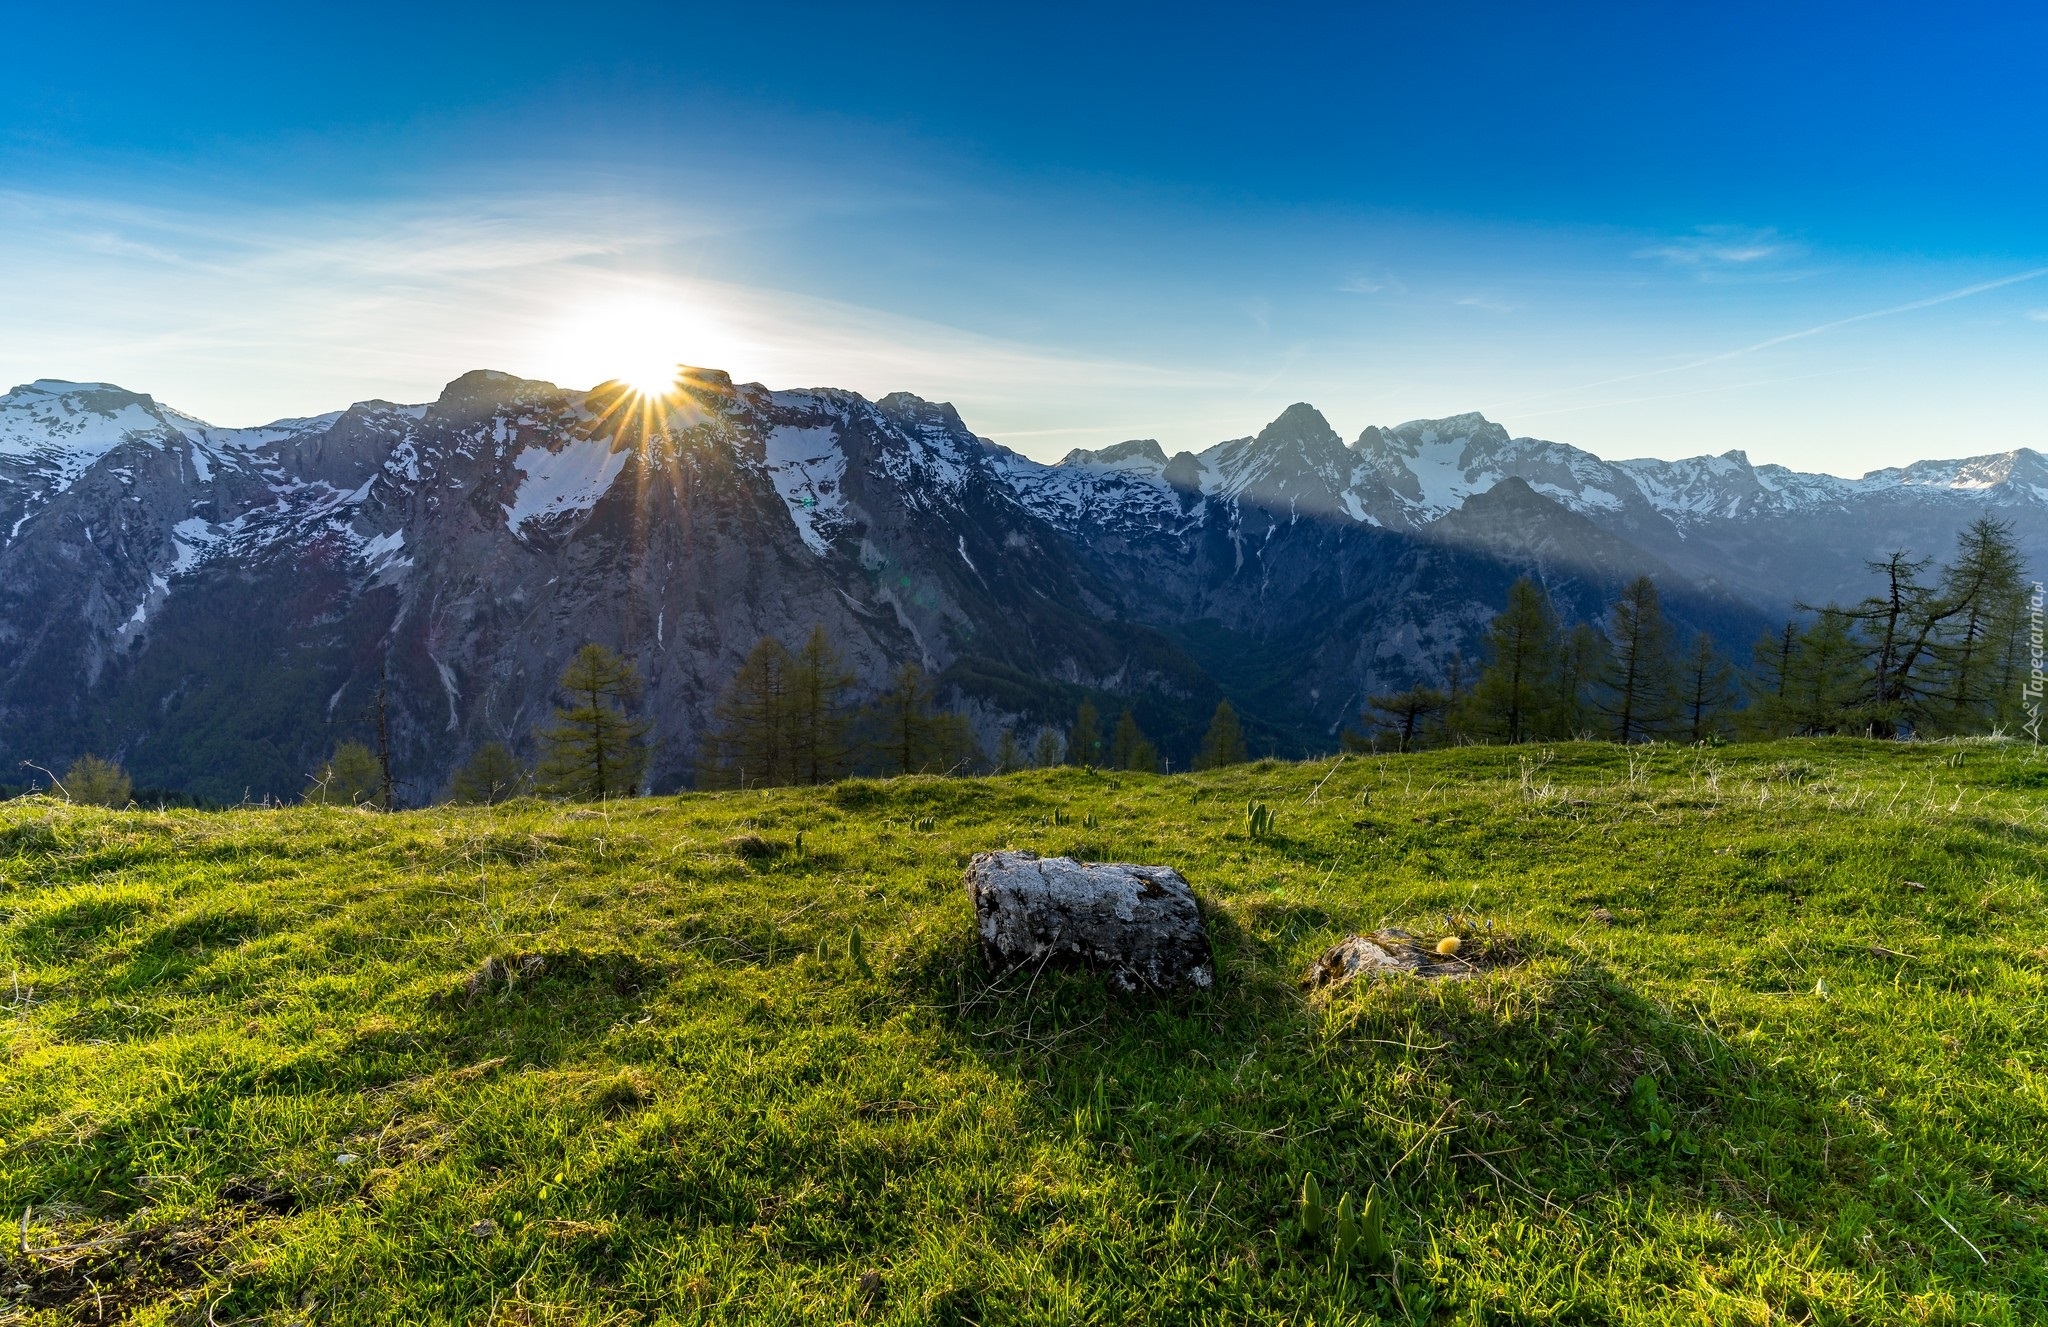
x: 788, y: 717
x: 1927, y: 655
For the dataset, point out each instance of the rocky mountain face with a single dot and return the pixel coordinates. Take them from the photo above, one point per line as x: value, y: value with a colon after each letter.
x: 218, y: 607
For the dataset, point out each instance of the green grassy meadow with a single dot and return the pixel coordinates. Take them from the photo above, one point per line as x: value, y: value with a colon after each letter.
x: 262, y: 1067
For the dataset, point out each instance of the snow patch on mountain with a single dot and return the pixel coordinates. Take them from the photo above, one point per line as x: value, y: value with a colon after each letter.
x: 70, y: 425
x: 385, y: 554
x: 194, y: 538
x: 558, y: 482
x: 809, y: 471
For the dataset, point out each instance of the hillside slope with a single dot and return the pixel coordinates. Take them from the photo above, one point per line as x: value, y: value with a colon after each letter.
x: 606, y: 1064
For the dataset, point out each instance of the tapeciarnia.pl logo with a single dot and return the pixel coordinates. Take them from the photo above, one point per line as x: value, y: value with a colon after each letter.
x: 2031, y: 693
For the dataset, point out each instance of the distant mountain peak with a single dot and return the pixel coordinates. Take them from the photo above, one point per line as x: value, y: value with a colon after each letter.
x: 1300, y: 424
x: 1469, y: 429
x: 912, y: 409
x: 1139, y: 450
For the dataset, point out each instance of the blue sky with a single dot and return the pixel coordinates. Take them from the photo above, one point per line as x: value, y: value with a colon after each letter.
x: 1811, y: 231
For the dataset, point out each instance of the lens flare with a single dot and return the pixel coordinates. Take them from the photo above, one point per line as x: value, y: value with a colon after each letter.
x: 641, y: 341
x: 651, y: 379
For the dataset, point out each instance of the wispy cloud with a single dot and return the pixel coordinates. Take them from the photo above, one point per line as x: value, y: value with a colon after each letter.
x: 1723, y: 247
x: 1371, y: 284
x: 2038, y: 315
x: 246, y: 317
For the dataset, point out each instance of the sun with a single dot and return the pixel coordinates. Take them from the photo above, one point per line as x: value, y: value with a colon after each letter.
x: 652, y: 378
x: 643, y: 341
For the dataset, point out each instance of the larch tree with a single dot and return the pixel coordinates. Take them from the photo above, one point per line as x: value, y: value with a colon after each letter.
x: 1516, y: 689
x: 1223, y: 744
x: 1129, y: 748
x: 1706, y: 688
x: 1896, y: 625
x: 488, y: 777
x: 1048, y: 748
x: 1637, y: 696
x: 1984, y: 584
x: 2012, y: 639
x: 752, y: 743
x: 1406, y: 714
x: 1581, y: 663
x: 1770, y: 680
x: 595, y: 749
x: 954, y: 750
x: 1084, y: 744
x: 904, y: 723
x: 352, y: 776
x: 1452, y: 719
x: 1824, y: 686
x: 818, y: 682
x: 1009, y: 755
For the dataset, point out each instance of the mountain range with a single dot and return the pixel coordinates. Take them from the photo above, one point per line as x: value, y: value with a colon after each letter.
x: 217, y: 607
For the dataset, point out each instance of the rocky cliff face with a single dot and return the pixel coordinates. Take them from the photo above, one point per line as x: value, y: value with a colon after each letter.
x: 217, y: 607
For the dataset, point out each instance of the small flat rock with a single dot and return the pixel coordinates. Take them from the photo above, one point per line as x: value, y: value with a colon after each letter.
x: 1138, y: 925
x: 1382, y: 953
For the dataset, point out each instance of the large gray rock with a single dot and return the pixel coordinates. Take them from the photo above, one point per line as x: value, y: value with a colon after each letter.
x: 1140, y: 925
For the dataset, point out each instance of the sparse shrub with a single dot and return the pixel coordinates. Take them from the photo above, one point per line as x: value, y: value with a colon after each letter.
x: 491, y: 775
x: 351, y: 778
x: 94, y: 782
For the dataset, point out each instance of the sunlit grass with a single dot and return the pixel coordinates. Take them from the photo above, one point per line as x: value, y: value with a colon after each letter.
x: 269, y: 1053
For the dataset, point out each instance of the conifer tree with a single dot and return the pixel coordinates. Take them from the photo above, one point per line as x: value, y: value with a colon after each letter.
x: 818, y: 682
x: 1405, y: 714
x: 1009, y: 755
x: 1129, y: 748
x: 904, y: 727
x: 1770, y: 681
x: 1980, y: 589
x: 1824, y: 685
x: 91, y: 781
x: 1223, y: 744
x: 1047, y: 749
x: 1516, y: 689
x: 351, y: 777
x: 1896, y: 625
x: 954, y: 748
x: 490, y: 776
x: 1452, y: 719
x: 2013, y: 646
x: 753, y: 742
x: 1706, y: 689
x: 1581, y: 663
x: 595, y: 750
x: 1084, y: 745
x: 1637, y: 696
